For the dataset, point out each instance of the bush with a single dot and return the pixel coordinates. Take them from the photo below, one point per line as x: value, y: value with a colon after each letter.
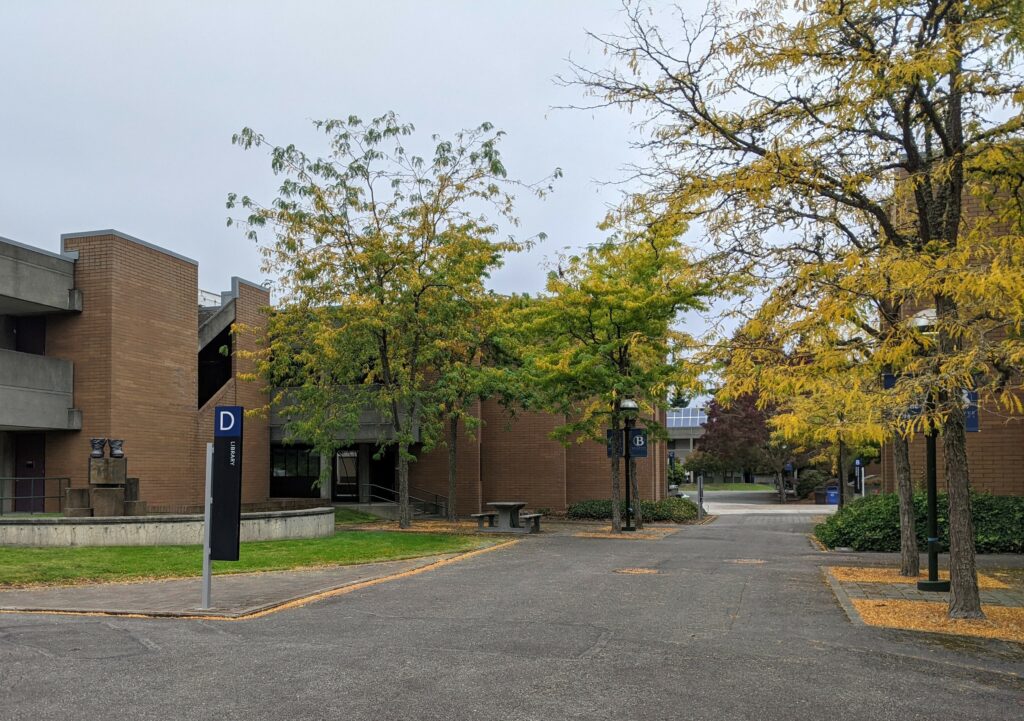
x: 873, y: 523
x: 676, y: 475
x: 677, y: 510
x: 808, y: 480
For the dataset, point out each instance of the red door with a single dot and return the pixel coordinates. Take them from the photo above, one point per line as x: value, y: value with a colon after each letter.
x: 29, y: 472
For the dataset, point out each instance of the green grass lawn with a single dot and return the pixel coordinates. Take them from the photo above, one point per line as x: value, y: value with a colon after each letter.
x: 26, y: 566
x: 728, y: 487
x: 345, y: 516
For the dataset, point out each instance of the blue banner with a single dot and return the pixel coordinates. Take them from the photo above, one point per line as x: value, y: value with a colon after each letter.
x: 972, y: 421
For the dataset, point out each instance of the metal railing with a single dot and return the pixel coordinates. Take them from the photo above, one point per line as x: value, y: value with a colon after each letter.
x: 423, y: 502
x: 209, y: 299
x: 41, y: 490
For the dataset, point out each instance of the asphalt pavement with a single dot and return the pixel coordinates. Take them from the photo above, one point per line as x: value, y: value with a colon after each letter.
x: 733, y: 620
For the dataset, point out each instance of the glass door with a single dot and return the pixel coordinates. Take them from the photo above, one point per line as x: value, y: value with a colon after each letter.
x: 346, y: 477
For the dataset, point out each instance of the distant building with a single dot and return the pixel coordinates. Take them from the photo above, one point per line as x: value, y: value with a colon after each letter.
x: 684, y: 426
x: 112, y: 338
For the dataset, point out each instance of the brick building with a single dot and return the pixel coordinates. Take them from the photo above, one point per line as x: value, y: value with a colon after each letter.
x: 112, y: 338
x: 995, y: 455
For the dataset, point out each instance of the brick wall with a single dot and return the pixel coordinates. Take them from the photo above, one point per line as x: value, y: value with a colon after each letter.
x: 134, y: 346
x: 515, y: 459
x: 134, y: 350
x: 995, y: 456
x: 430, y: 471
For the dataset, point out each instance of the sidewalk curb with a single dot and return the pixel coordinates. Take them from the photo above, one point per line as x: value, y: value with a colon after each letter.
x: 274, y: 606
x: 843, y: 598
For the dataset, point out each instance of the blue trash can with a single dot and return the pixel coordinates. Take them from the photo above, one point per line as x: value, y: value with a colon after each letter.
x: 832, y: 496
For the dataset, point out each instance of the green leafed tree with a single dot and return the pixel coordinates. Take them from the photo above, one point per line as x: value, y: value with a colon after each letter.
x: 377, y: 250
x: 605, y: 330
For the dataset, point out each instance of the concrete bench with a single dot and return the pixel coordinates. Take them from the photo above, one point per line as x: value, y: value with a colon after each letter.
x: 490, y: 516
x: 535, y: 517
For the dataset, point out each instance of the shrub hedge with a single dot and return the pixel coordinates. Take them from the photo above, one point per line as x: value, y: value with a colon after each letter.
x: 873, y: 523
x: 808, y: 480
x: 678, y: 510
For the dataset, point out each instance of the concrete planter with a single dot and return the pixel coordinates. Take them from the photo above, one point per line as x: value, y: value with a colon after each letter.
x: 179, y: 530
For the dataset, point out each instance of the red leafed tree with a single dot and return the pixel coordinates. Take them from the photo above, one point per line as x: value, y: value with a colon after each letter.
x: 737, y: 435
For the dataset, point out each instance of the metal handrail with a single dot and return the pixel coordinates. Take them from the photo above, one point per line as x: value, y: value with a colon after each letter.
x: 439, y: 504
x: 63, y: 483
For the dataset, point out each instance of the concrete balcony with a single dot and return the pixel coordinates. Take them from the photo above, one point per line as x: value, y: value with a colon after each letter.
x: 37, y: 393
x: 374, y: 427
x: 34, y: 281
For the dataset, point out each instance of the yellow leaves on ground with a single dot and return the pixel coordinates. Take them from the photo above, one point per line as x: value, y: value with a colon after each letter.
x: 1001, y: 622
x: 853, y: 574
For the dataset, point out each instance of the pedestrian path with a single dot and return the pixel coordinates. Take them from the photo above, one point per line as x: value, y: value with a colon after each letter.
x: 234, y: 595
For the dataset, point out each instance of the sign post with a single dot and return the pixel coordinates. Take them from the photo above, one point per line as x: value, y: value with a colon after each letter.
x: 222, y: 517
x: 207, y: 507
x: 227, y: 483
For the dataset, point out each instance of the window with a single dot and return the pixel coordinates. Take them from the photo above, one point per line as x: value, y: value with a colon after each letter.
x: 686, y: 418
x: 294, y: 471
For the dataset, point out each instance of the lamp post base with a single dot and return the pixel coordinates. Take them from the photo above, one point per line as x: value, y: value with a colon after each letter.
x: 934, y: 586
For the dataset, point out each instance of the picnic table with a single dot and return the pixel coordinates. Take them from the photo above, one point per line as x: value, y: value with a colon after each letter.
x: 508, y: 517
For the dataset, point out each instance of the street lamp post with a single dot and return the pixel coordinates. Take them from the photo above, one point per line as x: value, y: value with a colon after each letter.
x: 629, y: 409
x: 933, y: 583
x: 924, y: 322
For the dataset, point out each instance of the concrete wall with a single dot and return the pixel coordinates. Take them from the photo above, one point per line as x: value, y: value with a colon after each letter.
x: 161, y: 530
x: 36, y: 392
x: 34, y: 281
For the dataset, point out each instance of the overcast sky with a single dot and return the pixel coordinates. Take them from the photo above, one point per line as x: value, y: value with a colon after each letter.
x: 120, y: 114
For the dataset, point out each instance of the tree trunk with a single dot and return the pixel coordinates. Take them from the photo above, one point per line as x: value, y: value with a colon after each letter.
x: 616, y: 511
x: 910, y: 559
x: 964, y: 599
x: 638, y: 516
x: 453, y: 438
x: 781, y: 480
x: 404, y: 516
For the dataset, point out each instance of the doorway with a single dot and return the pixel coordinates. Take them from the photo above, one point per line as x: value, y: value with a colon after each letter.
x: 29, y: 472
x: 345, y: 481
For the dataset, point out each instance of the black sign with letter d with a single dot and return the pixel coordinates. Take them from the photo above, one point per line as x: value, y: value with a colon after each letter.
x: 226, y: 516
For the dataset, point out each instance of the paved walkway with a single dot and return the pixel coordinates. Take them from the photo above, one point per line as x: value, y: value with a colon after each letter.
x: 730, y: 621
x: 721, y: 503
x: 233, y: 595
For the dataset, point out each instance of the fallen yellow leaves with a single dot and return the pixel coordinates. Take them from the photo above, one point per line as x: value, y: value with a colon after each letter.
x: 636, y: 571
x: 852, y: 574
x: 1002, y: 622
x: 652, y: 534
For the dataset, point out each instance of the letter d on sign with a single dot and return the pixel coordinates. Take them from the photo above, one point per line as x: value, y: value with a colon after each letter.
x: 228, y: 421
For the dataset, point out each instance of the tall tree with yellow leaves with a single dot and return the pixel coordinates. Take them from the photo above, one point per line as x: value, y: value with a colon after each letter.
x: 858, y: 125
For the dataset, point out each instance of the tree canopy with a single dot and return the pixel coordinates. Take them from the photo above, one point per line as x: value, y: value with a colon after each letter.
x: 382, y: 255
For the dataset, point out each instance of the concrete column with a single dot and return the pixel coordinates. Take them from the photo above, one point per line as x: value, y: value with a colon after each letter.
x: 326, y: 471
x: 363, y: 472
x: 6, y: 470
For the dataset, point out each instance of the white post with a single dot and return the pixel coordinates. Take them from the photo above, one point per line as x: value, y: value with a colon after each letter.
x: 208, y: 509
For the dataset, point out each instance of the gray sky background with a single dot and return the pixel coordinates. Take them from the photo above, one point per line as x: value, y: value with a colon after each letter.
x: 120, y: 114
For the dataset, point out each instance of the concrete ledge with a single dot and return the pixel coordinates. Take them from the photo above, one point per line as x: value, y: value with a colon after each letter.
x: 178, y: 530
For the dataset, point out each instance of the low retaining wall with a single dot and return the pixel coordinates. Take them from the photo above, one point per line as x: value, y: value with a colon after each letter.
x: 160, y: 530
